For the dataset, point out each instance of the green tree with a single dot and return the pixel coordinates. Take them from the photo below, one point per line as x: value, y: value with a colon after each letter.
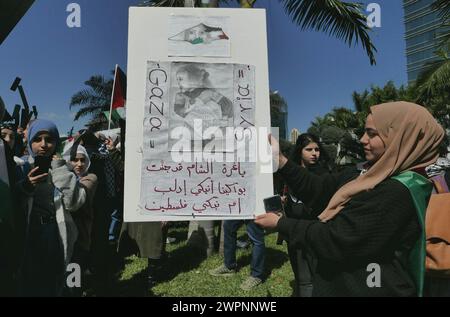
x: 377, y: 95
x: 343, y: 20
x: 433, y: 84
x: 344, y: 118
x: 341, y: 128
x: 93, y: 100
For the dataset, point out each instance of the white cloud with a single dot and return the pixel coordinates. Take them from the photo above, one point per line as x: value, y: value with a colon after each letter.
x: 50, y: 116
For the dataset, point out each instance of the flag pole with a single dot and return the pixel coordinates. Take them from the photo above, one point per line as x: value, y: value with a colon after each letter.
x: 112, y: 97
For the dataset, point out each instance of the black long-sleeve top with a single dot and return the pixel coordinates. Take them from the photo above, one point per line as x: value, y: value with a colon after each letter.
x: 378, y: 226
x: 295, y: 208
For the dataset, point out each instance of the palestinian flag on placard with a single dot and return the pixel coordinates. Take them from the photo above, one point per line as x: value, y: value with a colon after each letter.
x: 5, y: 192
x: 119, y: 94
x: 200, y: 34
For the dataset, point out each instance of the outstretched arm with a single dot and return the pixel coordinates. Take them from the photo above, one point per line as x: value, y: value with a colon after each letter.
x: 73, y: 194
x: 313, y: 190
x: 365, y: 228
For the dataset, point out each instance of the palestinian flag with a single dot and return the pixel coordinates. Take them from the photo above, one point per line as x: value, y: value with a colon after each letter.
x: 119, y: 95
x: 200, y: 34
x: 115, y: 115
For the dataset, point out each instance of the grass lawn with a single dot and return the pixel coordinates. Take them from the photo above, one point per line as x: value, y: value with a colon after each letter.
x: 185, y: 272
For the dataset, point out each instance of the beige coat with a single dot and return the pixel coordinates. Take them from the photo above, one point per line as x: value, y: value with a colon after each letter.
x: 84, y: 217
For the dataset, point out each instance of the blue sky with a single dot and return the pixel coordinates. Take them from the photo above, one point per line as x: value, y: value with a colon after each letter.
x: 311, y: 70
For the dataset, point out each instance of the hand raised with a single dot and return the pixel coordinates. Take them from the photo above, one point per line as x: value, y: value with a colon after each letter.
x: 279, y: 160
x: 35, y: 179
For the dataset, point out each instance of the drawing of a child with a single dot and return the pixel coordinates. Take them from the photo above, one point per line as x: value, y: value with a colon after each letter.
x: 197, y: 100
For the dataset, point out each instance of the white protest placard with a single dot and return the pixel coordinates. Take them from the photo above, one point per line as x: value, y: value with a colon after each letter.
x: 193, y: 121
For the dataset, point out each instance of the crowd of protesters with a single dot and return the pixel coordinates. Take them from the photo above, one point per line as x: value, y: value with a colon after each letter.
x: 66, y: 206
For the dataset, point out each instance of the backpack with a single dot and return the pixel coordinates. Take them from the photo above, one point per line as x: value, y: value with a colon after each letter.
x: 437, y: 229
x: 431, y: 253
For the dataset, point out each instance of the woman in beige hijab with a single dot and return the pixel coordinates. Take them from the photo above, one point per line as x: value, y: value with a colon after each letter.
x: 368, y: 224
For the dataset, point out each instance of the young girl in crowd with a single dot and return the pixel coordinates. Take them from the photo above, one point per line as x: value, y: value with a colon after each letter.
x: 8, y: 134
x: 370, y: 222
x: 308, y: 154
x: 48, y: 198
x: 83, y: 217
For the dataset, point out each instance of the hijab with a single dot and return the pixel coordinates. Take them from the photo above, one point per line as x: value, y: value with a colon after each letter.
x: 411, y: 136
x: 39, y: 126
x: 80, y: 150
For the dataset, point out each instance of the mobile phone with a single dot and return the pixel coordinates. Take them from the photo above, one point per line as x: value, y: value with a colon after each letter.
x: 273, y: 204
x: 43, y: 162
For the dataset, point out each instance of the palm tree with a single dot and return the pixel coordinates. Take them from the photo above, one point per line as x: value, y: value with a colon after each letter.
x: 435, y: 79
x: 320, y: 122
x: 93, y: 101
x: 340, y: 19
x: 344, y: 118
x: 360, y: 100
x: 434, y: 87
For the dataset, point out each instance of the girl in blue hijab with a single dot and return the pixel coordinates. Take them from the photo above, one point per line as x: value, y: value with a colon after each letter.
x: 43, y: 127
x: 49, y: 198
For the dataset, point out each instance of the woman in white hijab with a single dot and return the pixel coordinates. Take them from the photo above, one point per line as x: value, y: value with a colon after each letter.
x: 83, y: 217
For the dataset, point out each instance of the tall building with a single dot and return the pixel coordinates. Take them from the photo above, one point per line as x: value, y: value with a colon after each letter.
x: 294, y: 135
x: 422, y: 25
x: 279, y: 113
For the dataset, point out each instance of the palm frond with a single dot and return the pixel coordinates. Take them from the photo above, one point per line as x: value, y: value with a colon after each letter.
x: 93, y: 99
x: 360, y: 100
x: 435, y: 79
x: 92, y: 110
x: 337, y: 18
x: 88, y: 97
x: 100, y: 85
